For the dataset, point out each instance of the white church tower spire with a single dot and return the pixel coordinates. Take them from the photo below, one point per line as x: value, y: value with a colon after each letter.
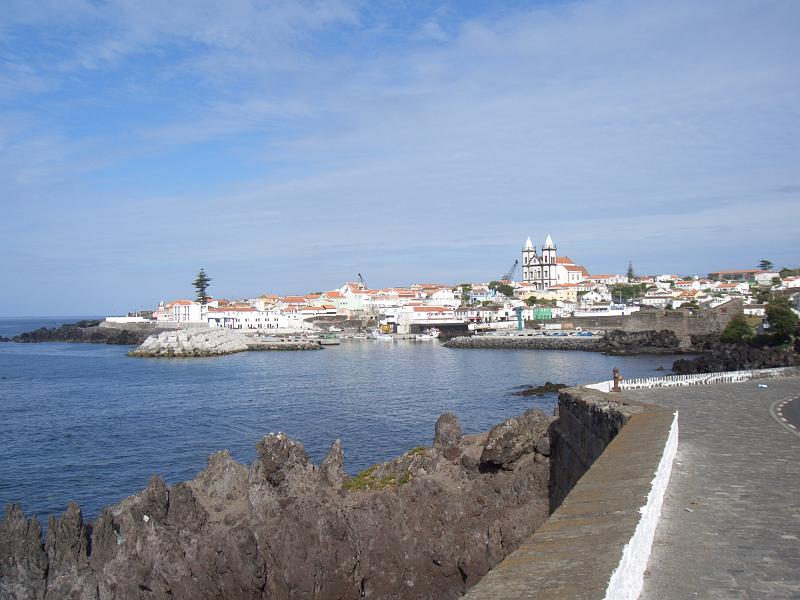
x: 549, y: 261
x: 529, y: 259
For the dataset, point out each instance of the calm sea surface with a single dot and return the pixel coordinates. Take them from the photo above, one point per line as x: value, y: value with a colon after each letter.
x: 84, y: 422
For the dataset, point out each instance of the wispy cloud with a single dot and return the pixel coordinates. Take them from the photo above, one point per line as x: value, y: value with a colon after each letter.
x: 310, y: 132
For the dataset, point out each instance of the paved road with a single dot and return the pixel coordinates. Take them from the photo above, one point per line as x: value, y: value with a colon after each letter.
x: 788, y: 411
x: 730, y: 526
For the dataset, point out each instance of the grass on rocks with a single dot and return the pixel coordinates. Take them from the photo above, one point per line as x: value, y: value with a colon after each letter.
x: 369, y: 480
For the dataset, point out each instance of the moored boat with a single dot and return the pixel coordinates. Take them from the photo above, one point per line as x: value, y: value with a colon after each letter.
x: 429, y: 334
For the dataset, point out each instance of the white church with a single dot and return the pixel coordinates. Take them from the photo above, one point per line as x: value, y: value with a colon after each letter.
x: 548, y: 269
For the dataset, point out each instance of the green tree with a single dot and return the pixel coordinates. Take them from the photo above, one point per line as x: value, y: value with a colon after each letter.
x: 691, y: 304
x: 503, y: 288
x: 787, y: 272
x: 782, y: 320
x: 531, y: 300
x: 631, y: 273
x: 737, y: 330
x: 622, y: 292
x: 765, y: 265
x: 466, y: 288
x: 201, y: 283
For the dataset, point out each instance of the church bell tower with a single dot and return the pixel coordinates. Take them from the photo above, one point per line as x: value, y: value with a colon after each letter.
x: 528, y: 262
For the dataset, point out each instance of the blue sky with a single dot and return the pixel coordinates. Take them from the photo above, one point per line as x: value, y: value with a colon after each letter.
x: 286, y: 146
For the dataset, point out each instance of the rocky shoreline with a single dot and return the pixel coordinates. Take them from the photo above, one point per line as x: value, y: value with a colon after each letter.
x: 717, y: 356
x: 428, y: 524
x: 86, y: 332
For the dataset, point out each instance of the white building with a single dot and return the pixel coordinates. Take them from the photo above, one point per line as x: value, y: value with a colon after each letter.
x: 755, y: 310
x: 179, y: 311
x: 246, y: 318
x: 790, y: 283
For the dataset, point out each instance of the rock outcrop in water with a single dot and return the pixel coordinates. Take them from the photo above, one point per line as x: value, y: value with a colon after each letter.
x: 84, y: 332
x: 428, y: 524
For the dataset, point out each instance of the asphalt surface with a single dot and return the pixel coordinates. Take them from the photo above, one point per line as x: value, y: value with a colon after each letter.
x: 789, y: 412
x: 730, y: 525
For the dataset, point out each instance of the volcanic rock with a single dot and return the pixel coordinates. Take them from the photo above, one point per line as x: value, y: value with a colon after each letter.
x: 513, y: 438
x: 447, y: 433
x: 540, y: 390
x: 414, y: 527
x: 718, y: 356
x: 85, y: 332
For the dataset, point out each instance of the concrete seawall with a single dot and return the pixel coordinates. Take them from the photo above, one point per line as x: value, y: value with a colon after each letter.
x: 611, y: 462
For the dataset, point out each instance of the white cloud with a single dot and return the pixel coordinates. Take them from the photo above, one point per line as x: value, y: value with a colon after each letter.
x: 664, y: 132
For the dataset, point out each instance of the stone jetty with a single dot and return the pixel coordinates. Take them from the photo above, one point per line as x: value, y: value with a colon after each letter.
x: 616, y: 342
x: 212, y: 342
x: 187, y: 343
x: 539, y: 342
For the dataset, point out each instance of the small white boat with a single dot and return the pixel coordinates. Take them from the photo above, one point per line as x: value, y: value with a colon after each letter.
x: 428, y: 334
x: 377, y: 334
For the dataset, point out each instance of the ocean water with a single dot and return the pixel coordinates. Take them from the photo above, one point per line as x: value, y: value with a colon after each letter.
x: 84, y: 422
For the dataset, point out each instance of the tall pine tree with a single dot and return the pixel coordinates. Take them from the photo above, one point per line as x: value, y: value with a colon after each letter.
x: 631, y: 274
x: 201, y: 283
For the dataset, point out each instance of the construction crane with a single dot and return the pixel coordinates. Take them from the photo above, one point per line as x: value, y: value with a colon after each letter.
x: 362, y: 282
x: 509, y: 276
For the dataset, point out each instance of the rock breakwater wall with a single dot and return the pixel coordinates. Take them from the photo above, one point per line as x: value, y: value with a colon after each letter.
x: 526, y: 342
x: 428, y: 524
x: 190, y: 343
x: 617, y: 342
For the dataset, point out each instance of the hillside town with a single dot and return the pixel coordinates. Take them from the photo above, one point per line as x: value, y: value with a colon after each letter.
x: 551, y: 287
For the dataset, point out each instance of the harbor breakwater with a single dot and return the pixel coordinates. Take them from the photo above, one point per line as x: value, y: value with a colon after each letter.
x: 211, y: 342
x: 538, y: 342
x: 615, y: 342
x: 428, y: 524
